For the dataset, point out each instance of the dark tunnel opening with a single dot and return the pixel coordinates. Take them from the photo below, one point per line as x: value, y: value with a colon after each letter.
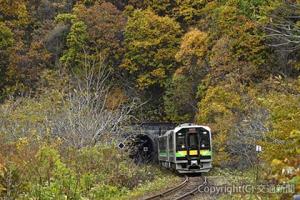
x: 143, y: 149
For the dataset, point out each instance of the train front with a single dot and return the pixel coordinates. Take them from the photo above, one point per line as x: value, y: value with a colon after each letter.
x: 193, y: 149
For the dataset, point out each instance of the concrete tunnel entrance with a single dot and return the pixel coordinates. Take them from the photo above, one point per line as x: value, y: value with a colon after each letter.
x: 142, y: 141
x: 143, y: 149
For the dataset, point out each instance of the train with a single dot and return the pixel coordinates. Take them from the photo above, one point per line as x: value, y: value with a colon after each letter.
x: 186, y: 149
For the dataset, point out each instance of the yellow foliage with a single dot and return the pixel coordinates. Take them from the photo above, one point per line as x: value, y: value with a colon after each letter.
x: 277, y: 163
x: 159, y: 73
x: 21, y: 143
x: 281, y: 149
x: 219, y: 110
x: 193, y: 45
x: 15, y: 9
x: 145, y: 81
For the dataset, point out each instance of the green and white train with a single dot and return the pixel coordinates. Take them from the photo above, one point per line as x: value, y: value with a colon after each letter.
x: 186, y: 149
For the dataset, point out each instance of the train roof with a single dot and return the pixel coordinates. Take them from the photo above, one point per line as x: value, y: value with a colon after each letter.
x: 190, y: 125
x: 186, y: 125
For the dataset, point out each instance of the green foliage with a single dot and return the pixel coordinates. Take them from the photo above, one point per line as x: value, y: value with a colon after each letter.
x: 6, y: 42
x: 179, y: 99
x: 160, y: 182
x: 66, y: 18
x: 151, y: 43
x: 55, y: 180
x: 188, y: 12
x: 106, y: 192
x: 76, y: 42
x: 252, y: 8
x: 6, y: 37
x: 41, y: 169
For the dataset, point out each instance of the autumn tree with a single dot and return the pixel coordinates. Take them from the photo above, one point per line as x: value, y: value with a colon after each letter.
x: 15, y: 12
x: 180, y: 99
x: 77, y: 49
x: 31, y: 23
x: 282, y: 27
x: 238, y: 48
x: 193, y: 49
x: 162, y: 8
x: 151, y: 43
x: 189, y: 12
x: 282, y: 141
x: 104, y: 26
x: 220, y: 109
x: 186, y: 12
x: 6, y: 42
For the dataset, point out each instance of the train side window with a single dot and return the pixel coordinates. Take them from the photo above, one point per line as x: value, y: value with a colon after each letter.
x: 171, y: 141
x: 162, y: 144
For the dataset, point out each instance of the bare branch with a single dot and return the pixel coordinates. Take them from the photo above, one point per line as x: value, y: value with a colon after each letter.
x: 86, y: 116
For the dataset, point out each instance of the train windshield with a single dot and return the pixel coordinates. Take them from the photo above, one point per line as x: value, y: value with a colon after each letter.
x: 180, y: 145
x: 193, y: 140
x: 204, y: 139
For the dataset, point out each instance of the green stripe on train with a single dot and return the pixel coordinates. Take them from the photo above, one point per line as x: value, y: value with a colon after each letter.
x: 181, y: 153
x: 205, y: 152
x: 184, y: 153
x: 164, y: 154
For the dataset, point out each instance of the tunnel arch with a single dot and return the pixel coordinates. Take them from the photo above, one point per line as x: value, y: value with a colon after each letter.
x: 143, y: 148
x: 140, y: 135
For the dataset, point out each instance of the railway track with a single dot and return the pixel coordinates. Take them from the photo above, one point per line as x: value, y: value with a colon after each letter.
x: 186, y: 189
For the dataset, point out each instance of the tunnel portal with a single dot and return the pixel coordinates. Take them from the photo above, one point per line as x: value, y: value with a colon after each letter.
x: 142, y: 145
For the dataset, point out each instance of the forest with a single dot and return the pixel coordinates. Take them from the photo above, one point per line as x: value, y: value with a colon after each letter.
x: 75, y: 73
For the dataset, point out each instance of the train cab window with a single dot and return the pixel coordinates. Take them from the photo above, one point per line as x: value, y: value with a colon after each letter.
x: 204, y: 139
x: 180, y: 142
x: 193, y: 140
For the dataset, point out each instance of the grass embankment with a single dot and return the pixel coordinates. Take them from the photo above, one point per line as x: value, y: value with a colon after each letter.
x: 161, y: 182
x: 34, y: 169
x: 251, y: 182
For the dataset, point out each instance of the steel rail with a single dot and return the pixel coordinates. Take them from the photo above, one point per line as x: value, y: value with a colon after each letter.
x: 165, y: 193
x: 194, y: 191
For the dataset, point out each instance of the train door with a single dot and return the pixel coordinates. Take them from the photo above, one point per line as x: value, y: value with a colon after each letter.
x: 193, y: 142
x: 168, y: 151
x: 181, y: 145
x: 171, y: 147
